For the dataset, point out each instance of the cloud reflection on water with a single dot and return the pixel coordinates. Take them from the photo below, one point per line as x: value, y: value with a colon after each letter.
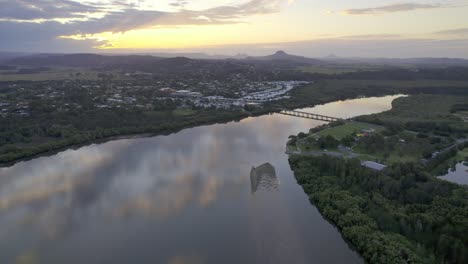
x: 56, y: 198
x: 151, y: 175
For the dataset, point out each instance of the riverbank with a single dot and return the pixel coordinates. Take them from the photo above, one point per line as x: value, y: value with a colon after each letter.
x: 399, y: 213
x: 304, y: 96
x: 143, y: 186
x: 91, y: 137
x: 49, y: 132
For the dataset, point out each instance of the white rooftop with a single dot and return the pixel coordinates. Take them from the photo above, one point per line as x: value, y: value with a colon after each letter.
x: 373, y: 165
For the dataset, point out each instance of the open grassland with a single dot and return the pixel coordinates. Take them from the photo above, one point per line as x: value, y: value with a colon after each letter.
x: 349, y: 128
x: 183, y: 112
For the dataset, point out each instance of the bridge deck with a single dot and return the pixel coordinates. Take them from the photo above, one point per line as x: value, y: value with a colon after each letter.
x: 310, y: 115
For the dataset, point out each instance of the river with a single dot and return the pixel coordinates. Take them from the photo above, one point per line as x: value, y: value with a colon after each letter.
x: 184, y: 198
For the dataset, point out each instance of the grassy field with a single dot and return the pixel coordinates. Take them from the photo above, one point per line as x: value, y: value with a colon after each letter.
x: 367, y: 157
x: 304, y: 145
x: 349, y: 128
x: 403, y: 152
x: 183, y: 112
x: 394, y: 157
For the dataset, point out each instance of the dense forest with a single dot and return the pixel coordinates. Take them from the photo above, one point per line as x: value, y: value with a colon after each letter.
x: 400, y: 215
x: 23, y: 138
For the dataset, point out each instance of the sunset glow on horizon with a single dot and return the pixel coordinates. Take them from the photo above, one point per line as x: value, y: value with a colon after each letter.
x: 200, y: 25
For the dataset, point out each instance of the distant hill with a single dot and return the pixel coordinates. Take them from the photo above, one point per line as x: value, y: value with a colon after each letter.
x: 105, y: 60
x: 430, y: 61
x: 253, y: 67
x: 4, y: 56
x: 180, y: 67
x: 278, y: 59
x: 283, y: 56
x: 81, y: 60
x: 162, y: 64
x: 197, y: 56
x: 419, y: 62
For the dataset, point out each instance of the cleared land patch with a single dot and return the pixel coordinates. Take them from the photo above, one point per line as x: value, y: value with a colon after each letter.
x: 339, y: 132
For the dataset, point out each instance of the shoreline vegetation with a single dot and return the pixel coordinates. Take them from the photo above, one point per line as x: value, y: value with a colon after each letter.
x: 102, y: 136
x: 402, y: 213
x: 45, y: 132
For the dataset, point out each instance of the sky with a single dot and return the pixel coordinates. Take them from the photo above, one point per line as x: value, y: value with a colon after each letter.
x: 315, y: 28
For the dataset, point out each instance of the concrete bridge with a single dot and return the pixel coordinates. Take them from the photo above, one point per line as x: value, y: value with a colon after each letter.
x: 310, y: 116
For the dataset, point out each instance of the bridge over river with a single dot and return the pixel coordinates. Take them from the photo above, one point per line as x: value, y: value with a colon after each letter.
x: 310, y: 115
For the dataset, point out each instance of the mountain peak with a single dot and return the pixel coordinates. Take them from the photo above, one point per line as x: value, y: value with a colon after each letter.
x: 281, y: 52
x: 285, y: 57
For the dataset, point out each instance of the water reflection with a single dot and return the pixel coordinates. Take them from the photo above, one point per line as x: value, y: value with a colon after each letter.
x: 459, y: 174
x: 348, y: 109
x: 169, y: 199
x: 263, y: 178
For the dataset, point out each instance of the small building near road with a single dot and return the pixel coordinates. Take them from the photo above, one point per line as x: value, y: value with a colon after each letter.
x: 373, y: 165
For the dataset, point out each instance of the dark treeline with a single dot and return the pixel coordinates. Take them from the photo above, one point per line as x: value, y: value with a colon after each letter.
x: 400, y: 215
x: 449, y: 73
x: 83, y: 128
x: 390, y: 73
x: 459, y: 107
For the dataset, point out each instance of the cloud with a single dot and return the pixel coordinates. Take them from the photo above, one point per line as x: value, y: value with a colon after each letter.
x: 18, y: 36
x: 373, y: 36
x: 454, y: 32
x: 179, y: 3
x: 119, y: 16
x: 391, y: 8
x: 43, y: 9
x: 24, y: 23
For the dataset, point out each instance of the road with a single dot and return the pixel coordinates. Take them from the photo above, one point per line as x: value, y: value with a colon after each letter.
x: 343, y: 153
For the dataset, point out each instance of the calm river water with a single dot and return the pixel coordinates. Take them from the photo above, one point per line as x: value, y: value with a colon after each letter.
x: 183, y: 198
